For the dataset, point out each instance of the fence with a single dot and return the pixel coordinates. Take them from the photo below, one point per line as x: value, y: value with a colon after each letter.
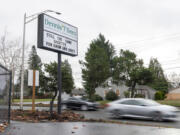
x: 5, y: 94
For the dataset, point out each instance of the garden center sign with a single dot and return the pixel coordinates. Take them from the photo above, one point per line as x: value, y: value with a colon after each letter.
x: 56, y: 35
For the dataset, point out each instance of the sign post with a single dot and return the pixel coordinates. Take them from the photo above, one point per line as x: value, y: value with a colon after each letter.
x: 58, y: 36
x: 33, y: 80
x: 59, y: 83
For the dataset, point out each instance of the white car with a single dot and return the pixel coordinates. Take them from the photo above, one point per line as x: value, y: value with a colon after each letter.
x: 141, y: 108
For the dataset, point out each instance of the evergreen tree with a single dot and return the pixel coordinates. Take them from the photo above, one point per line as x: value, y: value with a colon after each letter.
x: 67, y: 78
x: 34, y: 63
x: 97, y: 65
x: 34, y: 60
x: 159, y: 81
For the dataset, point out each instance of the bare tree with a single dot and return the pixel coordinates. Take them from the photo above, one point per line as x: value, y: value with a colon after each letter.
x: 174, y: 79
x: 10, y: 55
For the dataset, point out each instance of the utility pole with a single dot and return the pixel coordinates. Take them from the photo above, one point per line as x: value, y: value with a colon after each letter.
x: 22, y: 66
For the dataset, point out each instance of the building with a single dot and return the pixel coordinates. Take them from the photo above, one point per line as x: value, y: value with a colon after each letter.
x: 144, y: 90
x: 173, y: 94
x: 78, y: 92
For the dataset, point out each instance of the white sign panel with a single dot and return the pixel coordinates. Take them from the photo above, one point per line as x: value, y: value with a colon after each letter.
x: 57, y: 36
x: 30, y: 78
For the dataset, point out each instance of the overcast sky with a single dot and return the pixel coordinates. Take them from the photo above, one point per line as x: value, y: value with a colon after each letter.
x: 150, y: 28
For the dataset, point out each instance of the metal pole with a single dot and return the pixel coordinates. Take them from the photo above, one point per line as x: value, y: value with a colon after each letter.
x: 59, y: 83
x: 22, y: 66
x: 10, y: 89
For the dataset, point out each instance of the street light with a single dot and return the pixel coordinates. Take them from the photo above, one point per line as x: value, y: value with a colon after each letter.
x: 28, y: 19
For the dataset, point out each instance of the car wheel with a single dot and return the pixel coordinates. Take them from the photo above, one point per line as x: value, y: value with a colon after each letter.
x: 157, y: 116
x: 63, y: 107
x: 84, y: 107
x: 116, y: 114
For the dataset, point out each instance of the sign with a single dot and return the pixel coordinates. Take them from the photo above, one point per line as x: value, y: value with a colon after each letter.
x: 30, y: 78
x: 56, y: 35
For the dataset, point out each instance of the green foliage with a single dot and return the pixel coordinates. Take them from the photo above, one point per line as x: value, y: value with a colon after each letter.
x: 96, y: 97
x: 129, y: 69
x: 159, y: 95
x: 67, y: 78
x: 111, y: 95
x: 97, y: 65
x: 51, y: 79
x: 34, y: 63
x: 126, y: 94
x: 175, y: 103
x: 34, y: 60
x: 159, y: 82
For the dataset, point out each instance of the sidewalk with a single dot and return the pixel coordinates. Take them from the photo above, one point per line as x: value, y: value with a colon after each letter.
x: 82, y: 128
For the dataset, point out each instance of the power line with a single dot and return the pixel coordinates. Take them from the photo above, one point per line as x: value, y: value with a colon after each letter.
x: 171, y: 68
x: 151, y: 38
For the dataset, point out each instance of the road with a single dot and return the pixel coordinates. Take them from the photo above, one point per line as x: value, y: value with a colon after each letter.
x: 101, y: 114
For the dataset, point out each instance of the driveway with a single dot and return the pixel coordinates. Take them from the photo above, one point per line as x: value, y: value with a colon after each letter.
x: 82, y: 128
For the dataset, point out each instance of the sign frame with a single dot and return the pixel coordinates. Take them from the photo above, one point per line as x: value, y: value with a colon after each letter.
x: 41, y: 30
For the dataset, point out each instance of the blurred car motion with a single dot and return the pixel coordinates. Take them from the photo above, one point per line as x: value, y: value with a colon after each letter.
x: 141, y: 108
x: 78, y: 103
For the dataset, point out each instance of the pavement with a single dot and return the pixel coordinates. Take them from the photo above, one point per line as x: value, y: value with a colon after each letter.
x: 100, y: 114
x: 84, y: 128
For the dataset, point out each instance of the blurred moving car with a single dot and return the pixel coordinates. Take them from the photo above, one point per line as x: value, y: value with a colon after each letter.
x: 78, y: 103
x: 141, y: 108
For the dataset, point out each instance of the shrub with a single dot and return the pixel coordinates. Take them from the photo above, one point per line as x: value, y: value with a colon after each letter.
x: 139, y: 96
x: 159, y: 95
x: 126, y: 94
x: 96, y: 97
x: 111, y: 95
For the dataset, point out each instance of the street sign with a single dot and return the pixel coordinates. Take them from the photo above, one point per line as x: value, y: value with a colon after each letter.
x: 30, y: 78
x: 56, y: 35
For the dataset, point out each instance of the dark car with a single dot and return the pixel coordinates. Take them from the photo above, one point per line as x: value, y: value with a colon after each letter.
x: 78, y: 103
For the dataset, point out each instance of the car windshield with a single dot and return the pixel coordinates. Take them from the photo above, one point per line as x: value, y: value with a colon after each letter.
x: 149, y: 103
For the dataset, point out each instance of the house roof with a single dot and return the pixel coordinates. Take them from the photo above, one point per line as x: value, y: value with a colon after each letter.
x: 144, y: 87
x: 177, y: 90
x: 78, y: 91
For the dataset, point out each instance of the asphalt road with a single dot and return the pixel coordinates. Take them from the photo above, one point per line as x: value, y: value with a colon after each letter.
x: 101, y: 114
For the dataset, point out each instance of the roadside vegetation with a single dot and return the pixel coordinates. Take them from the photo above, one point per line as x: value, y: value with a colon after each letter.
x: 30, y: 100
x: 102, y: 62
x: 175, y: 103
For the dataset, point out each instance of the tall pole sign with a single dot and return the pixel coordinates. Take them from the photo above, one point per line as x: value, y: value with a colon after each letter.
x: 58, y: 36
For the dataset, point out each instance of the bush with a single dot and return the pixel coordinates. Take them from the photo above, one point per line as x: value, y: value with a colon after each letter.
x: 96, y: 97
x: 126, y: 94
x: 139, y: 96
x: 111, y: 95
x: 159, y: 95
